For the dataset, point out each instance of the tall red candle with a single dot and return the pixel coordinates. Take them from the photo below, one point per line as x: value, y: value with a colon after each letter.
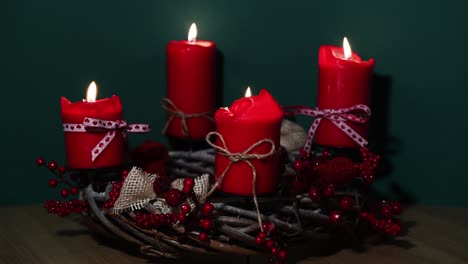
x: 247, y: 121
x: 78, y: 145
x: 343, y: 82
x: 191, y: 84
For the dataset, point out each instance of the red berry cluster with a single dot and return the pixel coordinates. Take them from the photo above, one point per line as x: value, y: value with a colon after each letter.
x: 387, y: 224
x: 270, y: 238
x: 115, y: 192
x: 316, y: 193
x: 147, y: 220
x: 174, y: 196
x: 298, y: 183
x: 205, y: 222
x: 300, y: 165
x: 63, y: 209
x: 306, y: 176
x: 59, y: 171
x: 346, y: 204
x: 336, y: 216
x: 64, y: 192
x: 58, y: 207
x: 368, y: 165
x: 185, y: 209
x: 52, y: 165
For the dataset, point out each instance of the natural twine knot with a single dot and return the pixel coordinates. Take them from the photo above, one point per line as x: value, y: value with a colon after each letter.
x: 175, y: 112
x: 244, y: 156
x: 235, y: 157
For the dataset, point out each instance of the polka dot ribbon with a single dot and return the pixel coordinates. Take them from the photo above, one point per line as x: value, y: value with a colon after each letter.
x: 174, y: 112
x: 359, y: 114
x: 98, y: 126
x: 245, y: 156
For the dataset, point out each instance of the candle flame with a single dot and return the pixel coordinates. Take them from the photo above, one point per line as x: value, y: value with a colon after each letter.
x: 248, y: 92
x: 347, y: 49
x: 91, y: 94
x: 192, y: 34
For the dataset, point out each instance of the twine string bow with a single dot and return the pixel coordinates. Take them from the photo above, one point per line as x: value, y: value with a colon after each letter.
x: 94, y: 125
x: 175, y: 112
x: 244, y: 156
x: 359, y: 114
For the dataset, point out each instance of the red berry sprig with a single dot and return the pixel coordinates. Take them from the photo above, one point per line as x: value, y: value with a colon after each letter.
x: 299, y: 165
x: 53, y: 183
x: 185, y: 208
x: 269, y: 238
x: 314, y: 194
x: 346, y: 203
x: 328, y: 191
x: 207, y: 210
x: 203, y: 236
x: 336, y: 217
x: 40, y: 162
x: 65, y: 208
x: 205, y: 222
x: 173, y: 197
x: 368, y: 165
x: 52, y: 165
x: 189, y: 184
x: 386, y: 226
x: 59, y: 172
x: 148, y: 220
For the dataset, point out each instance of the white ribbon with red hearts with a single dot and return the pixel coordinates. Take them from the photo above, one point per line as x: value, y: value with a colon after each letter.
x: 338, y: 117
x: 89, y: 123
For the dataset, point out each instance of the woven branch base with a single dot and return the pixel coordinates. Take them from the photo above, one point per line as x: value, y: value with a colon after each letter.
x: 235, y: 222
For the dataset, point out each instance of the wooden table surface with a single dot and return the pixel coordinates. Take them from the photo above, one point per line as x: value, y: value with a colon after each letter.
x: 29, y: 235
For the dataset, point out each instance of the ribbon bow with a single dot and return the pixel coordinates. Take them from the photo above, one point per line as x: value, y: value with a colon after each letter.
x: 338, y: 117
x: 244, y: 156
x: 96, y: 125
x: 174, y: 112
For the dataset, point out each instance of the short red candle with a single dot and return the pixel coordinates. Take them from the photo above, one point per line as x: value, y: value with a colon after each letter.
x: 78, y: 145
x: 191, y: 74
x: 342, y: 83
x: 247, y: 121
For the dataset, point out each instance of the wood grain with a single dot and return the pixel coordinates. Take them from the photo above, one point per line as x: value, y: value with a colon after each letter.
x: 29, y: 235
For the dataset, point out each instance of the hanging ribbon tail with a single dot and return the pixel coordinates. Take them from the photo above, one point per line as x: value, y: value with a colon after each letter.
x: 359, y: 114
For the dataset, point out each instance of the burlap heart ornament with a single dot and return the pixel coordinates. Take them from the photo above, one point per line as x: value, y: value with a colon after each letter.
x: 137, y: 191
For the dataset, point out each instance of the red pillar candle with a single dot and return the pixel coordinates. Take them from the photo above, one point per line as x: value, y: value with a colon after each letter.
x: 344, y: 81
x: 191, y: 85
x: 78, y: 145
x: 247, y: 121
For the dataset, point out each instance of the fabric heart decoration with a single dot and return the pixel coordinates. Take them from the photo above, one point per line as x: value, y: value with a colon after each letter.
x: 137, y: 191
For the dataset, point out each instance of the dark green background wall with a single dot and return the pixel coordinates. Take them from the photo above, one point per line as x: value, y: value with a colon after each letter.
x: 53, y: 48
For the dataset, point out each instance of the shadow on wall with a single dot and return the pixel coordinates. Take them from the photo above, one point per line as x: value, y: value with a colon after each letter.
x: 380, y: 139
